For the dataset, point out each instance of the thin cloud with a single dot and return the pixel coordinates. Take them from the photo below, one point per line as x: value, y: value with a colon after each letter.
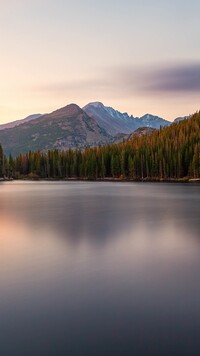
x: 168, y: 79
x: 130, y: 81
x: 176, y: 79
x: 82, y: 84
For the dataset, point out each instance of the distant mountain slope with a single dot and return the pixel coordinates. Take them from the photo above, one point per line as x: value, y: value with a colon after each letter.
x: 115, y: 122
x: 111, y: 120
x: 19, y: 122
x: 141, y: 131
x: 152, y: 121
x: 182, y: 118
x: 68, y: 127
x: 172, y: 153
x: 73, y: 127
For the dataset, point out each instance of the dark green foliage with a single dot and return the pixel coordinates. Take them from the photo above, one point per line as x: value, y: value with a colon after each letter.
x: 169, y: 153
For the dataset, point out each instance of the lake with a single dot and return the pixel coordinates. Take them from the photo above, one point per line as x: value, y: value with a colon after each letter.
x: 99, y: 269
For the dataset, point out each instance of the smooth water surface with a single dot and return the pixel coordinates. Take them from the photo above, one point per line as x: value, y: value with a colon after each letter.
x: 99, y: 269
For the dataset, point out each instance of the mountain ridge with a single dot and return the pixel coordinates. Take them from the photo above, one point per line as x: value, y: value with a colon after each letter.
x: 112, y: 111
x: 73, y: 127
x: 116, y: 122
x: 19, y: 122
x: 170, y: 154
x: 67, y: 127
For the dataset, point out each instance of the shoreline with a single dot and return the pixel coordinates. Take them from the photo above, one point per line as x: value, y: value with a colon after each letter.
x: 117, y: 180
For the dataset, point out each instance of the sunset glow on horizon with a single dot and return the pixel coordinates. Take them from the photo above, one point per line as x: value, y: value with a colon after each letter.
x: 138, y: 57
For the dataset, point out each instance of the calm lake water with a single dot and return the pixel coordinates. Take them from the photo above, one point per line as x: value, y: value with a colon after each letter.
x: 99, y: 269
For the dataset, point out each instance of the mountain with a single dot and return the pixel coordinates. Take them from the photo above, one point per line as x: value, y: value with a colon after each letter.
x: 68, y: 127
x: 19, y: 122
x: 149, y: 154
x: 152, y: 121
x: 111, y: 120
x: 181, y: 118
x: 115, y: 122
x: 73, y: 127
x: 141, y: 131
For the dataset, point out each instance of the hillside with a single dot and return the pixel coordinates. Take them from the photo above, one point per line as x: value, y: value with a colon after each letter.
x: 68, y: 127
x: 19, y: 122
x: 115, y: 122
x: 171, y: 153
x: 73, y: 127
x: 111, y: 120
x: 141, y: 131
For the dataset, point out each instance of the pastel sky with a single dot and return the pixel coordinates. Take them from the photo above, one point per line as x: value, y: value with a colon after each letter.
x: 139, y: 56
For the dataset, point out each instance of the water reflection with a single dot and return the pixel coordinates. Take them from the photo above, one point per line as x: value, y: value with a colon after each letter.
x: 114, y: 266
x: 99, y: 212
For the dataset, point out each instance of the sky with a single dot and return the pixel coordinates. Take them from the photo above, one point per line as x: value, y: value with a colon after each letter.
x: 138, y: 56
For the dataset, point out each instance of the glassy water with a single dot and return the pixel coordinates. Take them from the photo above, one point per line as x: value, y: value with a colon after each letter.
x: 99, y: 269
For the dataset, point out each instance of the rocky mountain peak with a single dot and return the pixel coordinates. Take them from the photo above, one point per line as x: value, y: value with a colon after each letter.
x: 96, y: 105
x: 68, y: 110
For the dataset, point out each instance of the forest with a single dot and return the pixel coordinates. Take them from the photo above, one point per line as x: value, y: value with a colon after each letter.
x: 170, y: 153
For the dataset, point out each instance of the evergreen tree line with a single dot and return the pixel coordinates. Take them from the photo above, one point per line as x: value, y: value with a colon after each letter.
x: 169, y: 153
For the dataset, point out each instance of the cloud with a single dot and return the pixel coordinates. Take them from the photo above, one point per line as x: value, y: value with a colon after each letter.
x: 176, y: 78
x: 130, y: 81
x: 179, y: 78
x: 99, y: 83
